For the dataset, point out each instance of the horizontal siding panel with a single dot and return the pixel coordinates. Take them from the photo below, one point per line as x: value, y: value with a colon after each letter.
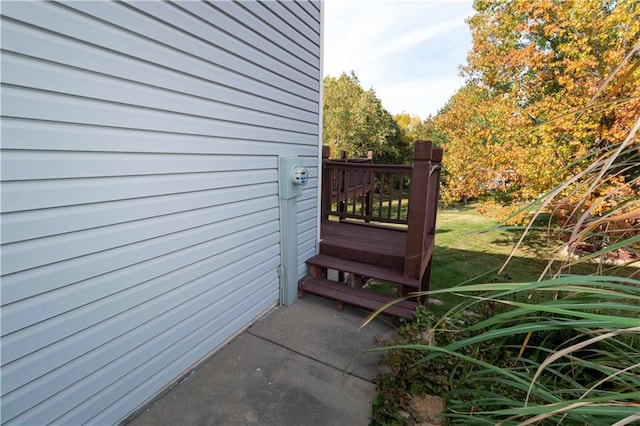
x: 104, y: 319
x: 307, y: 204
x: 312, y: 8
x: 57, y: 49
x: 27, y: 134
x: 33, y: 165
x: 310, y: 160
x: 50, y: 77
x: 119, y: 280
x: 207, y: 27
x: 68, y: 323
x: 309, y: 21
x: 69, y: 109
x: 59, y: 20
x: 40, y: 223
x: 294, y: 21
x: 52, y: 357
x: 306, y: 215
x: 41, y: 194
x: 243, y: 20
x: 43, y: 279
x: 31, y: 311
x: 287, y: 23
x: 306, y: 241
x: 310, y: 192
x: 307, y: 229
x: 169, y: 26
x: 36, y: 165
x: 309, y: 233
x: 307, y: 225
x: 166, y: 320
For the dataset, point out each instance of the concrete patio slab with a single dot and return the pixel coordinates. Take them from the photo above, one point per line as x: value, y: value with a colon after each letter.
x: 287, y: 369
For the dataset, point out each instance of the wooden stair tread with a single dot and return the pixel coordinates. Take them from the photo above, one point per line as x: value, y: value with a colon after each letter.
x: 365, y: 269
x: 357, y: 297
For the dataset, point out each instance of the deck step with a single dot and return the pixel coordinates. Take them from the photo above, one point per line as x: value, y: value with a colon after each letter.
x: 357, y: 297
x: 378, y: 272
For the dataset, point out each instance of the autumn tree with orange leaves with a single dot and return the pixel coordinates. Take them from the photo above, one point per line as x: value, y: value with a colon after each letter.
x: 549, y: 85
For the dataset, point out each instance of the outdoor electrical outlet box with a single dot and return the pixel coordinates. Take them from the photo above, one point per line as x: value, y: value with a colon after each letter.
x: 292, y: 177
x: 299, y: 175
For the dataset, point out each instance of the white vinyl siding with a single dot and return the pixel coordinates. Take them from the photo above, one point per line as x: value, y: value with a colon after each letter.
x: 140, y: 208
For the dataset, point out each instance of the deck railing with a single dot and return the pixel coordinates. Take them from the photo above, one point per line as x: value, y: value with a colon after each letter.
x: 367, y: 192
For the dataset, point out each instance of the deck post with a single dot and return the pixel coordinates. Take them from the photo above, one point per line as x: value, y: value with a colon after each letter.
x: 432, y: 200
x: 434, y: 189
x: 325, y: 197
x: 420, y: 209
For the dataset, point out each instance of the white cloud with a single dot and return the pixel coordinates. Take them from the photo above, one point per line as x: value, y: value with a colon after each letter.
x: 418, y: 97
x: 402, y: 42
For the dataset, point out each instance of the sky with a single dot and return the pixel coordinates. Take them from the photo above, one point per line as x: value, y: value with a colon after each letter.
x: 409, y: 52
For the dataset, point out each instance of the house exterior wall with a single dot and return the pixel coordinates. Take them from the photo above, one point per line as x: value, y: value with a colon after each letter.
x: 140, y: 230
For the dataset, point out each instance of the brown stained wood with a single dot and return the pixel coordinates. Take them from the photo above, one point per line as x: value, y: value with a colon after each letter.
x: 362, y: 243
x: 356, y: 280
x: 316, y: 271
x: 356, y: 297
x: 356, y: 183
x: 374, y: 245
x: 378, y: 272
x: 419, y: 210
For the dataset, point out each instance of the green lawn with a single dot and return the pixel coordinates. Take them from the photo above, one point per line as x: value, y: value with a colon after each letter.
x: 472, y: 248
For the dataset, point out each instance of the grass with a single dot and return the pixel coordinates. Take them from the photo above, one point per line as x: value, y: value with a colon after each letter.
x: 471, y: 249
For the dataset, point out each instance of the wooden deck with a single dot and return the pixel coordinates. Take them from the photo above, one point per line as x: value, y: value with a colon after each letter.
x: 372, y: 236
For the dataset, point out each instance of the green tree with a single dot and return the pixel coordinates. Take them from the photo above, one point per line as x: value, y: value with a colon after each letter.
x: 414, y: 128
x: 355, y: 121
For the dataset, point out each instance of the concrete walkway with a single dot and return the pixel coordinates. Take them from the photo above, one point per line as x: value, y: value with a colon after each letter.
x: 287, y: 369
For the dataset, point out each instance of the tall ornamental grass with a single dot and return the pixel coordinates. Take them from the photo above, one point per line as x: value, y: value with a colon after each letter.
x: 566, y: 348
